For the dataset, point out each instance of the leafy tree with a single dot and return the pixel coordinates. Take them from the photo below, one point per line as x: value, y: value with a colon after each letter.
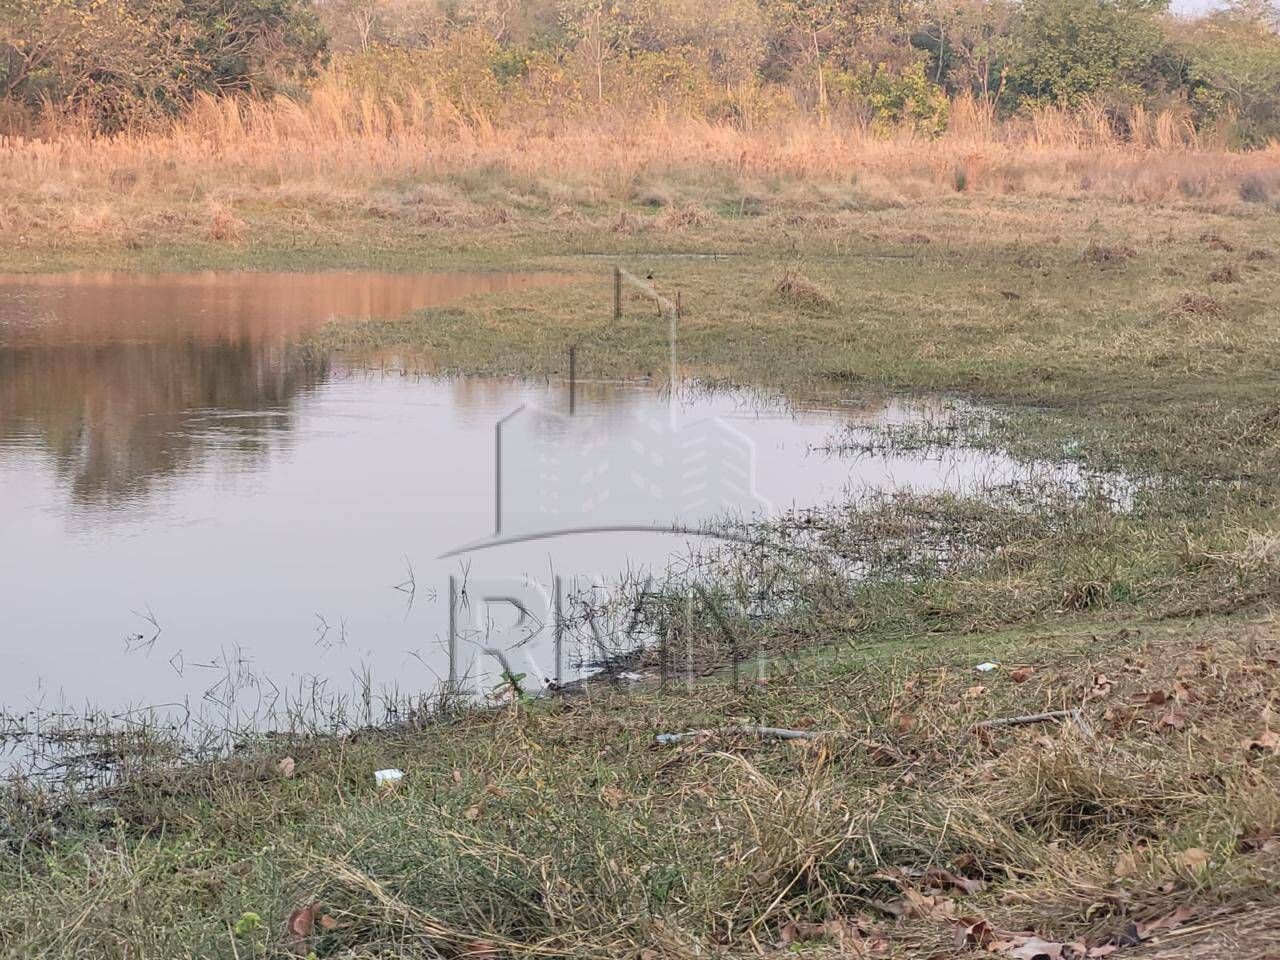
x: 250, y: 44
x: 807, y: 29
x: 121, y: 61
x: 116, y: 59
x: 727, y: 37
x: 1233, y: 68
x: 1064, y: 51
x: 893, y: 99
x: 844, y: 38
x: 968, y: 41
x: 599, y: 30
x: 353, y: 24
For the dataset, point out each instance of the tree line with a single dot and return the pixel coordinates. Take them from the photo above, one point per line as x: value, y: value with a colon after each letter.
x: 121, y: 62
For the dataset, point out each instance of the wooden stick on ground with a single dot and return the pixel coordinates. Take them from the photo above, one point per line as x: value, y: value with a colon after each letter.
x: 775, y: 733
x: 1075, y: 714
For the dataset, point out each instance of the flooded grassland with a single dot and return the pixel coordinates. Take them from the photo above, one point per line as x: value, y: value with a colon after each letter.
x: 1052, y: 445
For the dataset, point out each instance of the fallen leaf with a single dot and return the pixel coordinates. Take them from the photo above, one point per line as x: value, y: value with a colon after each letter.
x: 880, y: 754
x: 1016, y: 897
x: 1129, y: 935
x: 973, y: 933
x: 1154, y: 698
x: 1168, y: 922
x: 1022, y: 674
x: 471, y: 813
x: 944, y: 879
x: 1193, y: 859
x: 612, y: 796
x: 1120, y: 718
x: 302, y: 921
x: 1033, y: 948
x: 1126, y: 865
x: 286, y: 767
x: 926, y: 906
x: 1259, y: 843
x: 1101, y: 685
x: 835, y: 929
x: 841, y: 928
x: 1175, y: 720
x: 906, y: 722
x: 974, y: 692
x: 1270, y: 740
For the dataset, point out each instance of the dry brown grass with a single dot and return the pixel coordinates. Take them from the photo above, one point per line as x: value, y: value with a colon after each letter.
x: 344, y: 153
x: 1161, y: 807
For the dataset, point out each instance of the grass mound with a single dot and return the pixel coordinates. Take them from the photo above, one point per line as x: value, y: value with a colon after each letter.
x: 1105, y: 256
x: 795, y: 289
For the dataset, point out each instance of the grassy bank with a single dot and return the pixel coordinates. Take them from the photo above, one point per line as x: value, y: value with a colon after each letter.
x: 561, y: 829
x: 1118, y: 333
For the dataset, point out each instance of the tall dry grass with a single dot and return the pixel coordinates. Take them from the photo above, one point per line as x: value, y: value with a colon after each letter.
x: 344, y: 146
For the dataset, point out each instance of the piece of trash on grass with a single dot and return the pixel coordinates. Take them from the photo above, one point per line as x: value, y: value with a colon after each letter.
x: 388, y: 778
x: 987, y: 667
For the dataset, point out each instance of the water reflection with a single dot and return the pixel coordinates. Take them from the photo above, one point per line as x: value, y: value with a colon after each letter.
x: 114, y: 418
x: 102, y: 307
x: 125, y: 379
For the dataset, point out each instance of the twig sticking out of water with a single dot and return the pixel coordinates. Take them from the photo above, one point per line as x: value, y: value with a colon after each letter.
x: 139, y: 642
x: 409, y: 586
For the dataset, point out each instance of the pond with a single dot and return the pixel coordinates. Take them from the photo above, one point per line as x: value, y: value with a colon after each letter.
x: 198, y: 514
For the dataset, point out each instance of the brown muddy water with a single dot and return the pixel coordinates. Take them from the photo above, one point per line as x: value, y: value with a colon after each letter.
x: 198, y: 515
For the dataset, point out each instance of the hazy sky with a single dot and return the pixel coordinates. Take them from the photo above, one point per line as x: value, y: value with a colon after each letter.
x: 1194, y: 6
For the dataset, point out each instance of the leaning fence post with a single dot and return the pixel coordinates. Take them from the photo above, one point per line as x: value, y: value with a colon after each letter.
x: 573, y: 378
x: 617, y: 294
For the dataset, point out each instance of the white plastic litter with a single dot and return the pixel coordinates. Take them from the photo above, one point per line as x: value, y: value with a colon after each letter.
x: 384, y: 777
x: 987, y: 667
